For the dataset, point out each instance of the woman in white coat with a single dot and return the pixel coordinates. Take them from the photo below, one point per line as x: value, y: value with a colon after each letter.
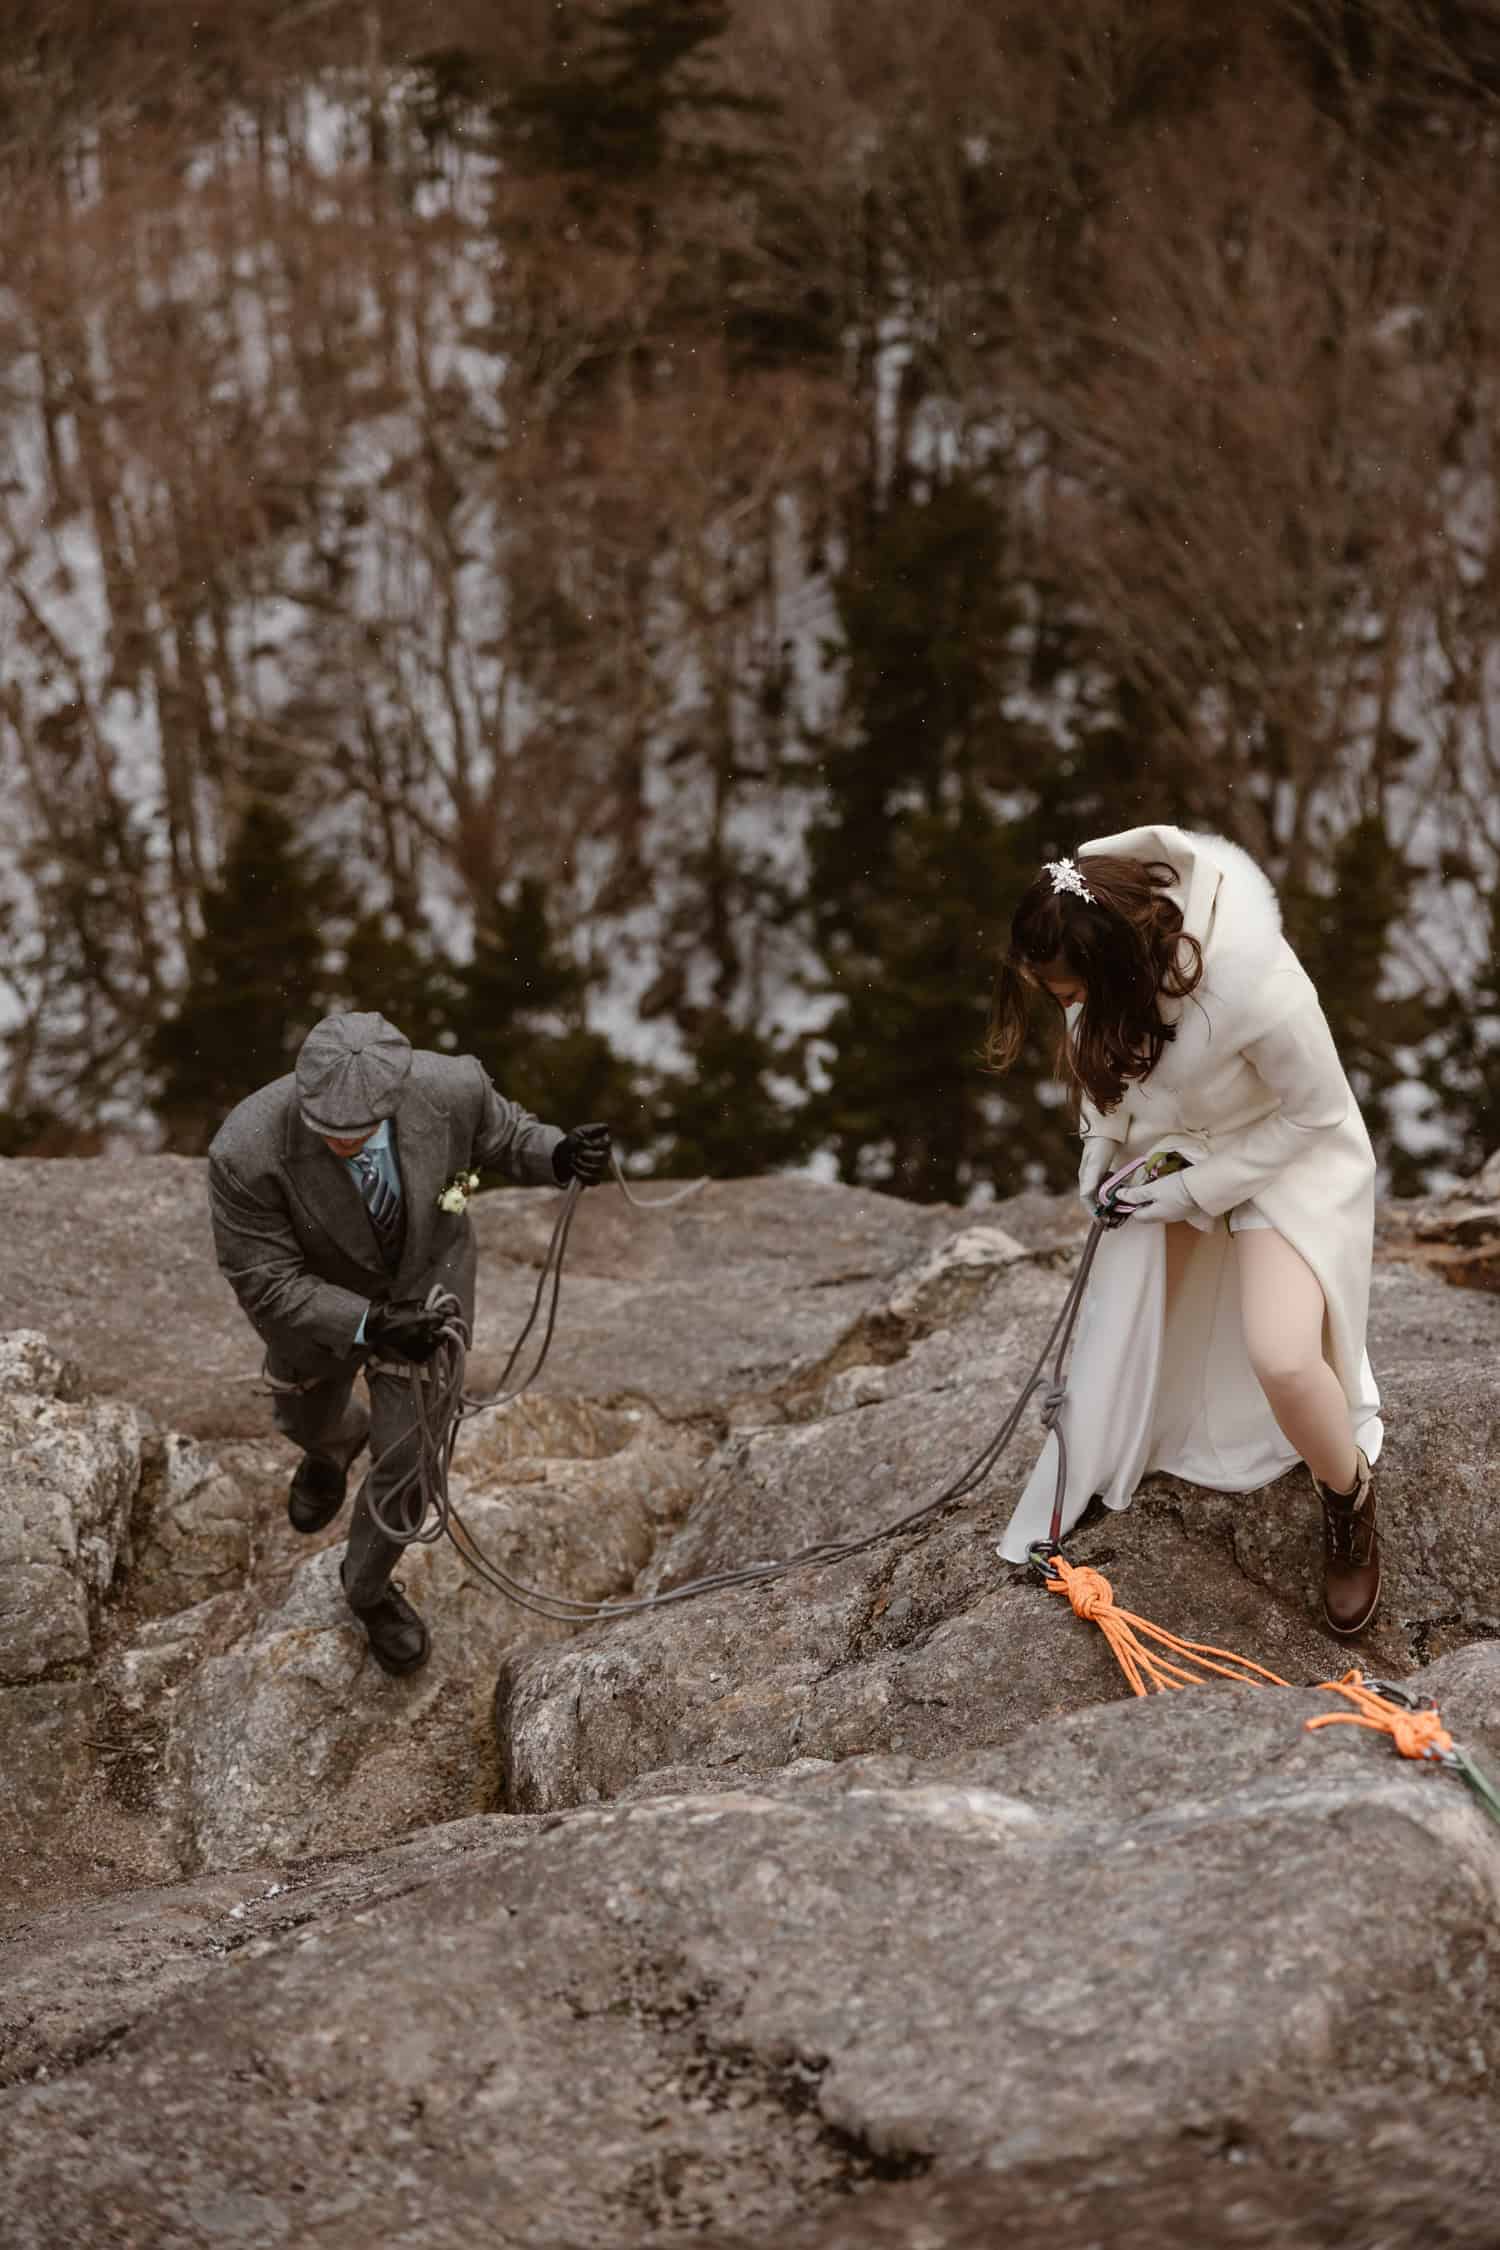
x: 1223, y: 1335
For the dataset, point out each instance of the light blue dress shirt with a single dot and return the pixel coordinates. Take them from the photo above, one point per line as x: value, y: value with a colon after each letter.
x: 382, y: 1148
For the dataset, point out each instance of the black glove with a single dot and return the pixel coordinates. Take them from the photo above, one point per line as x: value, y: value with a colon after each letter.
x: 583, y: 1155
x: 407, y: 1329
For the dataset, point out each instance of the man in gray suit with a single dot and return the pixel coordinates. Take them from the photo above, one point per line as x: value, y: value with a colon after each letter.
x: 325, y: 1190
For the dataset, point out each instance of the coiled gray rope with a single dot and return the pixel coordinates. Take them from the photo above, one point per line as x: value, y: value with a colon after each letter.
x: 418, y: 1508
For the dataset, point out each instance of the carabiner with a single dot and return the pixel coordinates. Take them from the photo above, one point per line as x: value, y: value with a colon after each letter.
x: 1040, y: 1556
x: 1392, y: 1691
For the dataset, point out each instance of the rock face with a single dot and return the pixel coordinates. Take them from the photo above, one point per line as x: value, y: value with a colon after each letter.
x: 71, y: 1471
x: 688, y: 1309
x: 1456, y: 1235
x: 222, y: 1704
x: 864, y: 1906
x: 292, y: 1741
x: 112, y: 1259
x: 197, y: 1533
x: 649, y: 2023
x: 931, y: 1643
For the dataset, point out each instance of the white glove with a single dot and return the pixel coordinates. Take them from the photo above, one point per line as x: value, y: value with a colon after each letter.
x: 1098, y: 1155
x: 1164, y: 1200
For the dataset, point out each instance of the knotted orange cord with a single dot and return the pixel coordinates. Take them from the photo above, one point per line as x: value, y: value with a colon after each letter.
x: 1093, y: 1599
x: 1416, y: 1734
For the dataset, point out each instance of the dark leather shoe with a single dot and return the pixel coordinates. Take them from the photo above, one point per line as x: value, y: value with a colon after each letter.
x: 399, y: 1641
x: 317, y: 1493
x: 1351, y: 1553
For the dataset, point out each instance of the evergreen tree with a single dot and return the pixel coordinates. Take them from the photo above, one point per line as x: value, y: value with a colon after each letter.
x: 919, y: 851
x: 722, y: 1116
x: 35, y: 1130
x: 1461, y: 1067
x: 626, y: 77
x: 1342, y: 935
x: 629, y: 121
x: 390, y: 967
x: 256, y: 979
x: 519, y: 1005
x: 910, y: 1107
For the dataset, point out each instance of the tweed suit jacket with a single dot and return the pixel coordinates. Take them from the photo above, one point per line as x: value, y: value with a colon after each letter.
x: 292, y: 1234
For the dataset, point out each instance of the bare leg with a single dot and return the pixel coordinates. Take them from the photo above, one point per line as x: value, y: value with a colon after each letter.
x: 1281, y: 1311
x: 1179, y: 1245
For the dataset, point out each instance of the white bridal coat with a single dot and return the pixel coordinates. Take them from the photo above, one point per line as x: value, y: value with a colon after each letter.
x: 1253, y: 1093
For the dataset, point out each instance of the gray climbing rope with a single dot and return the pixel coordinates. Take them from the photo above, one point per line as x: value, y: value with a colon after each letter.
x: 417, y: 1508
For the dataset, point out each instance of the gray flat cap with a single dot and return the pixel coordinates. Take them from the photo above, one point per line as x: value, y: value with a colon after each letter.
x: 350, y: 1072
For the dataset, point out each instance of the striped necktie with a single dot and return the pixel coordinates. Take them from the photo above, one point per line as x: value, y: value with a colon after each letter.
x: 382, y: 1202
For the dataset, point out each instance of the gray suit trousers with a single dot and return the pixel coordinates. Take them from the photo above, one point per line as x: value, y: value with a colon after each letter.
x: 327, y: 1420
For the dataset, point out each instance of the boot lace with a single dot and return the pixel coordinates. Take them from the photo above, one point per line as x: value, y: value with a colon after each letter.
x: 1350, y: 1533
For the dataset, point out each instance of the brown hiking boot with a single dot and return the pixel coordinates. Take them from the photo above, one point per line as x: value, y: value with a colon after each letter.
x: 1351, y: 1553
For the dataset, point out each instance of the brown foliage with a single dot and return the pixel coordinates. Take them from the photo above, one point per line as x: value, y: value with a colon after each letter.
x: 350, y: 444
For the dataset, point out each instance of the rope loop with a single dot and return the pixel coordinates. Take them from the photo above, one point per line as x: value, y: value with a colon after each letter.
x: 415, y: 1506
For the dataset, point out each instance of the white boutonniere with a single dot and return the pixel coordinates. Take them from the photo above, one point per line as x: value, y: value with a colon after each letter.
x: 455, y: 1195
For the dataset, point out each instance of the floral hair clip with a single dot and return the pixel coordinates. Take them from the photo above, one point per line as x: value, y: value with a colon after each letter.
x: 1065, y: 877
x: 455, y: 1195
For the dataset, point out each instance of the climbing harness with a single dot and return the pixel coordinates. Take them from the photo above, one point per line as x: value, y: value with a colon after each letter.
x: 417, y: 1508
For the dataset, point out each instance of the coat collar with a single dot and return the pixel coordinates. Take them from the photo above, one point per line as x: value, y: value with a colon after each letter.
x: 1227, y: 901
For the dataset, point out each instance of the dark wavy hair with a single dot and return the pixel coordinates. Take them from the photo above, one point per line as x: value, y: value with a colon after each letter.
x: 1126, y: 949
